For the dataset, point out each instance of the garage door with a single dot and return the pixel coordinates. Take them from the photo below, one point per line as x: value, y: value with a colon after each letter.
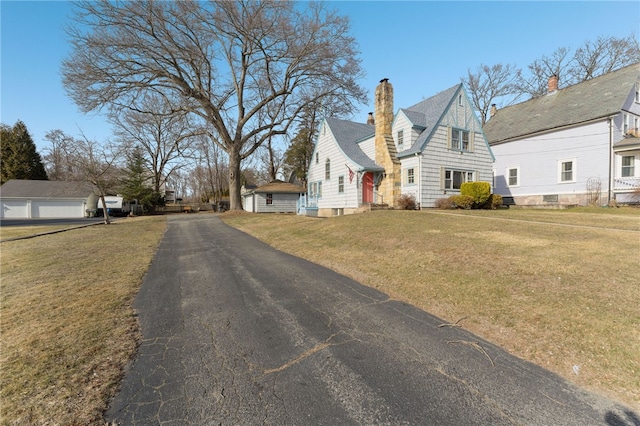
x: 57, y: 208
x: 14, y: 209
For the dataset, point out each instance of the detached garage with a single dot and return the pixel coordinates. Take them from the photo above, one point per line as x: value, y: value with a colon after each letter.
x: 46, y: 199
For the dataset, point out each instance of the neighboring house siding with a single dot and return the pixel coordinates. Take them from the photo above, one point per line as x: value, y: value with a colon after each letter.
x: 538, y: 159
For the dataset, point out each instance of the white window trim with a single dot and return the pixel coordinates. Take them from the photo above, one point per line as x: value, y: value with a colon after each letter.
x: 444, y: 171
x: 406, y: 176
x: 634, y: 166
x: 341, y: 184
x: 508, y: 176
x: 574, y: 170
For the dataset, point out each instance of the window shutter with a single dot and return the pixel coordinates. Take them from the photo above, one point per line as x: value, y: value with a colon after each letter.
x: 472, y: 139
x: 441, y: 177
x: 448, y: 138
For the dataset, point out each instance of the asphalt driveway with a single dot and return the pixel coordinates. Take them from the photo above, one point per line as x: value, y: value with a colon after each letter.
x: 237, y: 333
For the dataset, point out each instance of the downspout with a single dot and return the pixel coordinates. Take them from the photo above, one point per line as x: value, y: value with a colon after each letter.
x: 610, y: 189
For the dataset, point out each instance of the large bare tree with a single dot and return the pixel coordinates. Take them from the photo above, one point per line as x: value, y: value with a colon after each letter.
x: 247, y: 68
x: 166, y: 135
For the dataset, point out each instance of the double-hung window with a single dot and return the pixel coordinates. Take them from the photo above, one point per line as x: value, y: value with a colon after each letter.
x: 567, y: 171
x: 410, y: 176
x: 628, y: 169
x: 459, y: 140
x: 269, y: 199
x: 327, y: 169
x: 400, y: 137
x: 513, y: 176
x: 340, y: 184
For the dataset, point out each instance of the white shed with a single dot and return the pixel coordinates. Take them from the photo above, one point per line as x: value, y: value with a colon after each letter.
x: 46, y: 199
x: 274, y: 197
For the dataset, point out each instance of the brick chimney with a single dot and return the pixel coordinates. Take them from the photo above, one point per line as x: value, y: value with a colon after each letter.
x: 386, y: 155
x: 370, y: 120
x: 552, y: 84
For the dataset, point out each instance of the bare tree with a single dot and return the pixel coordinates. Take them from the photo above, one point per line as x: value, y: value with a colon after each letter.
x: 247, y: 69
x: 165, y: 134
x: 271, y: 159
x: 606, y: 54
x: 96, y: 163
x: 536, y: 83
x: 489, y: 83
x: 58, y: 157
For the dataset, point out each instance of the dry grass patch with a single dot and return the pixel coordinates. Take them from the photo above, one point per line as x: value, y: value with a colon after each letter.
x: 560, y: 296
x: 68, y: 328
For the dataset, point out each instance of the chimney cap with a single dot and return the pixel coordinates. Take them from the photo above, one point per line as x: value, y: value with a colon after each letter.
x: 384, y: 80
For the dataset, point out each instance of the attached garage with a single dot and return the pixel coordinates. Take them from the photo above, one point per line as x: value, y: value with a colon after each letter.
x: 46, y: 199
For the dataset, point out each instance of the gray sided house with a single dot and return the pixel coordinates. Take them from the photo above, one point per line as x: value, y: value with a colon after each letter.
x: 46, y: 199
x: 426, y: 151
x: 574, y: 146
x: 274, y: 197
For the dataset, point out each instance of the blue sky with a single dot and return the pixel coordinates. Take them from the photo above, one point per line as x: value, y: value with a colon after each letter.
x: 423, y: 47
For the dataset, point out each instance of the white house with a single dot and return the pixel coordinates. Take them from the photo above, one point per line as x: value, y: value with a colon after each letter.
x: 574, y: 146
x: 427, y: 150
x: 46, y: 199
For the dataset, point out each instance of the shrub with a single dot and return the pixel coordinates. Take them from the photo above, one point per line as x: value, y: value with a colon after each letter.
x: 493, y: 202
x: 479, y: 191
x: 406, y: 202
x: 462, y: 201
x: 444, y: 203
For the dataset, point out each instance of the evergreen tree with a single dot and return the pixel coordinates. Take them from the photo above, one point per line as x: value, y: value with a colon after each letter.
x: 137, y: 181
x: 19, y: 158
x: 298, y: 156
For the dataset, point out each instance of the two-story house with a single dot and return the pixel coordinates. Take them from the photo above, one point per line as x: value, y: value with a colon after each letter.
x: 427, y: 150
x: 574, y: 146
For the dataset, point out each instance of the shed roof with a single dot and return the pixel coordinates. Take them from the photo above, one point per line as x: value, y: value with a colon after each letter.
x: 17, y: 188
x: 597, y: 98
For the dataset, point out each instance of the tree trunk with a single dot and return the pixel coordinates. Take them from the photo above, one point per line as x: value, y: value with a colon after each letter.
x: 235, y: 202
x: 105, y: 213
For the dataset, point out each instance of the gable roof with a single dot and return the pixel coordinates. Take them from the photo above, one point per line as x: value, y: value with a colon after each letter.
x: 593, y: 99
x: 347, y: 135
x: 279, y: 187
x: 427, y: 114
x: 18, y: 188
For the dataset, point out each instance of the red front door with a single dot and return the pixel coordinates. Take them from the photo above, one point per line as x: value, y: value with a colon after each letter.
x: 367, y: 188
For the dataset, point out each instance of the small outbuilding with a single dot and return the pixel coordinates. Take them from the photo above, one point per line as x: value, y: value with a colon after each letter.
x: 274, y: 197
x: 46, y: 199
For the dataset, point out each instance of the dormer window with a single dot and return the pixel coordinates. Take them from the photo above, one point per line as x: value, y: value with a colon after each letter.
x: 400, y: 137
x: 638, y: 92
